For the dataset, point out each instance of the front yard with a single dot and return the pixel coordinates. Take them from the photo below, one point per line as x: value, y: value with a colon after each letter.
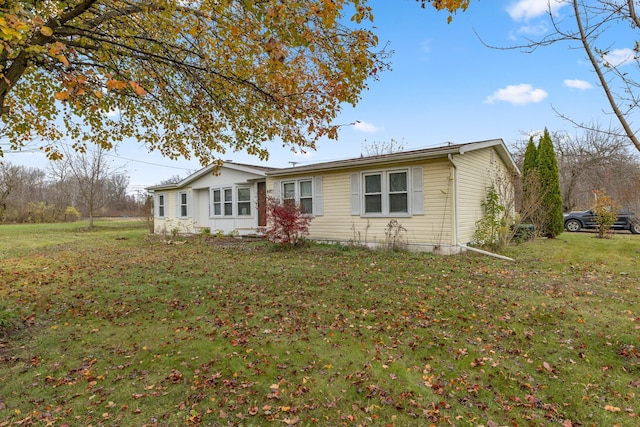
x: 116, y: 328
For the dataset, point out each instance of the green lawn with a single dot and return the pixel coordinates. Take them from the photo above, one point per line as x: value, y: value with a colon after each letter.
x: 113, y: 327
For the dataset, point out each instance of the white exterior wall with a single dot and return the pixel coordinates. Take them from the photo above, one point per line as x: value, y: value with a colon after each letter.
x: 200, y: 212
x: 170, y: 223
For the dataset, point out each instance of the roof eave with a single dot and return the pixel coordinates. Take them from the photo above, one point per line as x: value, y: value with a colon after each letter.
x: 202, y: 172
x: 400, y: 157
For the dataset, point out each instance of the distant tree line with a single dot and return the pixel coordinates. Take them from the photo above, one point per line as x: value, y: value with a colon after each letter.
x: 594, y: 160
x: 29, y: 194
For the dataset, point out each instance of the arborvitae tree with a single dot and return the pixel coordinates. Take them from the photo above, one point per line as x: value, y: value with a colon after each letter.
x: 530, y: 206
x: 530, y: 157
x: 550, y: 187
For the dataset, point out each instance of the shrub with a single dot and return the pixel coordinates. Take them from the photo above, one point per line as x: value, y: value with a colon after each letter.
x: 606, y: 213
x: 395, y: 238
x: 287, y: 224
x: 71, y: 214
x: 491, y: 230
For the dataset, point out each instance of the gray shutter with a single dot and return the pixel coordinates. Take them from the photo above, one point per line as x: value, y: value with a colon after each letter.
x: 177, y: 215
x: 417, y: 191
x: 355, y: 194
x: 189, y: 203
x: 318, y: 198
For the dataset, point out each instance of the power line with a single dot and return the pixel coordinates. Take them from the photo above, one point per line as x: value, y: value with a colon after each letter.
x: 149, y: 163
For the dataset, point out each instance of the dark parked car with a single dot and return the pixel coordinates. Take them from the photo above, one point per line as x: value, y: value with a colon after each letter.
x: 575, y: 221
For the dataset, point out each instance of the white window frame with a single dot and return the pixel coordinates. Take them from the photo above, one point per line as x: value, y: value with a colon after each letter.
x: 239, y: 202
x: 161, y: 206
x: 229, y: 203
x: 413, y: 192
x: 295, y: 196
x: 183, y: 207
x: 391, y: 192
x: 214, y: 203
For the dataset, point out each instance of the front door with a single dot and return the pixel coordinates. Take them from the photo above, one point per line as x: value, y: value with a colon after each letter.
x: 262, y: 204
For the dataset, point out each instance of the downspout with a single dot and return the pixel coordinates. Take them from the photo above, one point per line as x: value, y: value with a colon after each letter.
x: 455, y: 200
x: 480, y: 251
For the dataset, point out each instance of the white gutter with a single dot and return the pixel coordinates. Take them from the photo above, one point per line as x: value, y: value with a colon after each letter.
x: 480, y: 251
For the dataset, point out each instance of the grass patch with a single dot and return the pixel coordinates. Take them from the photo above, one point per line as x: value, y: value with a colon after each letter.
x: 117, y: 328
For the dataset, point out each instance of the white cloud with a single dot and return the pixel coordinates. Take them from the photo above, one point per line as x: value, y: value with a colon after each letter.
x: 521, y: 94
x: 365, y: 127
x: 578, y: 84
x: 537, y: 29
x: 619, y: 57
x: 426, y: 45
x: 523, y: 10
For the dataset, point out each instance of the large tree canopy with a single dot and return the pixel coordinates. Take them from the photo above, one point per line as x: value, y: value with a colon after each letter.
x: 184, y: 76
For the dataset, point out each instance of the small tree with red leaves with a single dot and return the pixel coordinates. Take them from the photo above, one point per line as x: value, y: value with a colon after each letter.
x: 287, y: 224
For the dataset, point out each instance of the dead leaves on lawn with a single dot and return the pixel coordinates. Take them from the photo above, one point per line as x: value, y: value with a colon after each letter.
x: 203, y: 335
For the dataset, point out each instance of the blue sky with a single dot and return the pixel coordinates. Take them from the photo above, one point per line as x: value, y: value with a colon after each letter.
x: 445, y: 86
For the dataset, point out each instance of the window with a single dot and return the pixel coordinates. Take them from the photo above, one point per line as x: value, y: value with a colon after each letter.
x: 373, y: 193
x: 289, y: 192
x: 388, y: 193
x: 224, y: 199
x: 385, y: 193
x: 217, y: 202
x: 301, y: 192
x: 306, y: 196
x: 183, y: 206
x: 228, y: 202
x: 244, y: 201
x: 161, y: 205
x: 398, y: 200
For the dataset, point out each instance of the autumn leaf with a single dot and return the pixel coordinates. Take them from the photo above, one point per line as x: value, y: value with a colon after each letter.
x: 62, y: 96
x: 139, y: 90
x: 46, y: 31
x: 113, y: 84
